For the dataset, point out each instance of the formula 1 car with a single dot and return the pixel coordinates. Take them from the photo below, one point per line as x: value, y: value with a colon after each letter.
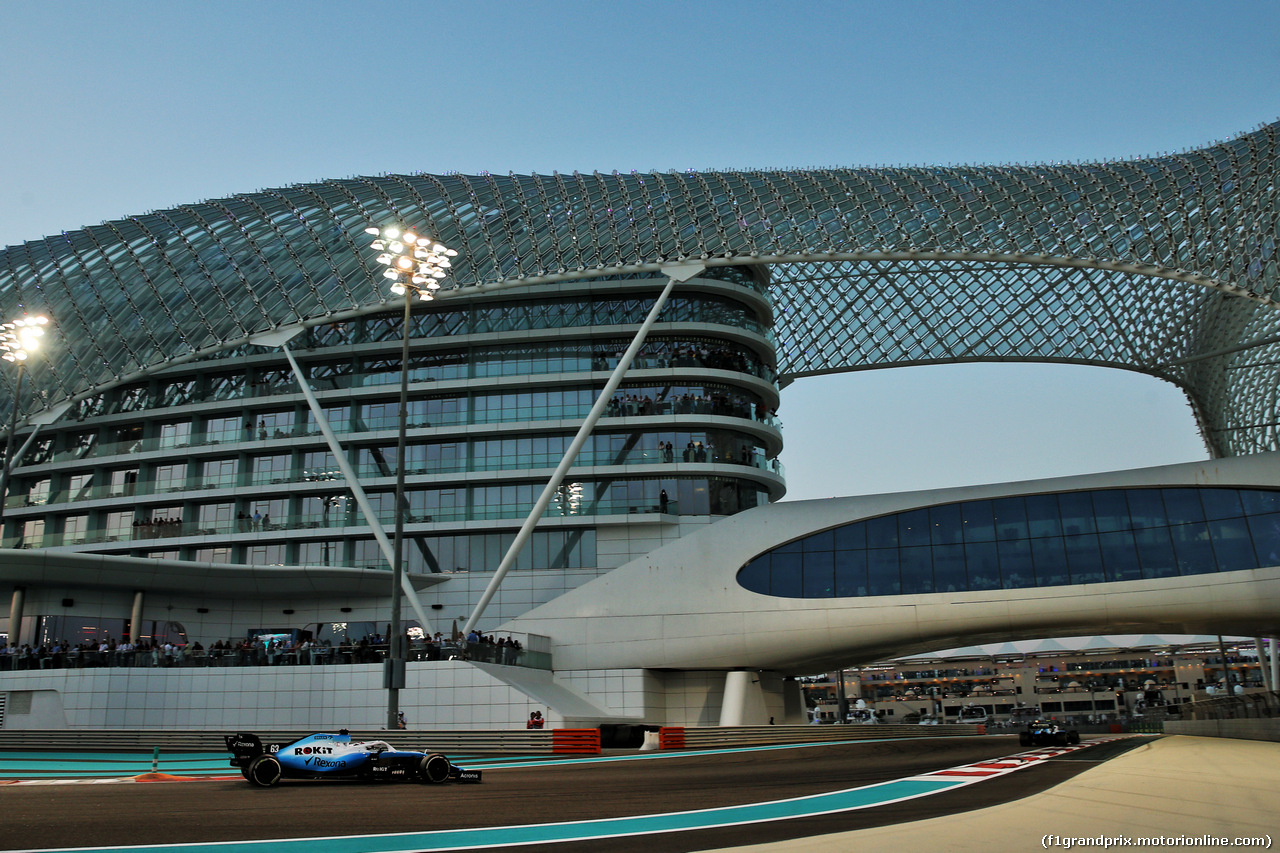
x: 329, y: 756
x: 1047, y: 733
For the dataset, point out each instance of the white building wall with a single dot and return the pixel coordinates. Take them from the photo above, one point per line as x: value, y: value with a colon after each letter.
x: 438, y: 695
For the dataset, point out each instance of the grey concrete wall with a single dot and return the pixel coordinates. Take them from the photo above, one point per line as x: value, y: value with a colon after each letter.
x: 1243, y: 729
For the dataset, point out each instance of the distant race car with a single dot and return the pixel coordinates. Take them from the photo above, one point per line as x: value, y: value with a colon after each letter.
x: 1047, y: 733
x: 330, y: 756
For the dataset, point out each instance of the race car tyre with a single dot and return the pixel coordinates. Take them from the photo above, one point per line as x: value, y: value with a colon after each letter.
x: 1060, y: 739
x: 433, y: 769
x: 1073, y: 738
x: 1024, y: 738
x: 264, y: 771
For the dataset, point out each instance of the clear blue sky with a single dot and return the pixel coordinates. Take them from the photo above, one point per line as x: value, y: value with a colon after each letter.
x: 112, y: 109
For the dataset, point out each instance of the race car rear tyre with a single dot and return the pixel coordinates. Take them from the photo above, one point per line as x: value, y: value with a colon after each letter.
x: 264, y: 771
x: 433, y: 769
x: 1073, y: 738
x: 1024, y: 738
x: 1060, y: 739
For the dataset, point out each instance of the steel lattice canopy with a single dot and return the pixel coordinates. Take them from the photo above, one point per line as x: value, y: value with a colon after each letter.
x: 1165, y: 266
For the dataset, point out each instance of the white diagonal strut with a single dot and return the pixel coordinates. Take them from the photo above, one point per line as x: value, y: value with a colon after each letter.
x: 674, y: 273
x: 357, y: 491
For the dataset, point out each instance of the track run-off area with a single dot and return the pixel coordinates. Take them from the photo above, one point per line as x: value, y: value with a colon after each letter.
x: 652, y: 801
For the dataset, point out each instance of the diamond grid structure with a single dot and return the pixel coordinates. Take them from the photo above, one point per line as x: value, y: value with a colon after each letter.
x: 1165, y: 266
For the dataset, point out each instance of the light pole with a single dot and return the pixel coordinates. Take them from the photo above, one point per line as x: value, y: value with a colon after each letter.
x: 415, y: 265
x: 18, y: 339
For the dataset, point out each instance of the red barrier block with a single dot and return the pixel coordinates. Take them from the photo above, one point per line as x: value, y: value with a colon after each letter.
x: 671, y: 737
x: 576, y: 741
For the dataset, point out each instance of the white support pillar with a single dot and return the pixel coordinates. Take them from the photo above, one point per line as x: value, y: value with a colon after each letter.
x: 733, y: 706
x: 1275, y: 665
x: 1263, y: 670
x: 135, y: 618
x: 15, y: 614
x: 674, y: 273
x: 353, y: 482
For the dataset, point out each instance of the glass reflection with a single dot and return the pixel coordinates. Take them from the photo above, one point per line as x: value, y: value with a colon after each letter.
x: 1033, y: 541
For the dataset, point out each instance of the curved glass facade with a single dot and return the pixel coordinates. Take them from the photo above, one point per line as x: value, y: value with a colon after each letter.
x: 1104, y: 263
x: 225, y: 462
x: 1033, y: 541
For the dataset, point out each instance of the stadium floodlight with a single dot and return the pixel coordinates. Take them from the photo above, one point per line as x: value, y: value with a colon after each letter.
x: 18, y: 340
x: 415, y: 265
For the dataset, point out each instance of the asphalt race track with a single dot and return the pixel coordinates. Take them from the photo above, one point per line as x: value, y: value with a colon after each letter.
x: 221, y: 810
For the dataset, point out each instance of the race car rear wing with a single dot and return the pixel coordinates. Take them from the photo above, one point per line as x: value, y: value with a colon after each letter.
x: 245, y: 747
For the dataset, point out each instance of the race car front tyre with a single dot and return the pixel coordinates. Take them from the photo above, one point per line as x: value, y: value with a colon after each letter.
x: 1073, y: 738
x: 1024, y: 738
x: 433, y: 769
x: 264, y: 771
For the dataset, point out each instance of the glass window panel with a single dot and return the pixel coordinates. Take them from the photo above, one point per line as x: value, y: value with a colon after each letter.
x: 1043, y: 518
x: 1192, y: 548
x: 1084, y: 559
x: 1110, y: 511
x: 823, y: 541
x: 1017, y: 569
x: 913, y: 527
x: 1146, y: 508
x: 1258, y: 502
x: 1010, y: 518
x: 819, y: 574
x: 946, y: 525
x: 917, y: 569
x: 882, y: 532
x: 882, y: 572
x: 1076, y: 510
x: 1119, y: 556
x: 1266, y: 538
x: 1155, y: 553
x: 1221, y: 503
x: 851, y: 573
x: 1182, y: 506
x: 754, y: 575
x: 949, y: 573
x: 851, y: 537
x: 979, y: 523
x: 1232, y: 545
x: 1050, y: 559
x: 982, y: 563
x: 785, y: 575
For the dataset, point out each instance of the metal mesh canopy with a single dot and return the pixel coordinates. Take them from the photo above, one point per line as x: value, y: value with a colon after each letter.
x: 1166, y: 266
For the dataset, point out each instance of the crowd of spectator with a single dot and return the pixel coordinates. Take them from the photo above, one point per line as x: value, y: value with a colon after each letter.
x: 662, y: 355
x: 277, y: 650
x: 630, y: 405
x: 151, y: 528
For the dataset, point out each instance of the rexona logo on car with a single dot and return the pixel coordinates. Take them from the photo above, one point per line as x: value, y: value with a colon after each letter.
x: 324, y: 762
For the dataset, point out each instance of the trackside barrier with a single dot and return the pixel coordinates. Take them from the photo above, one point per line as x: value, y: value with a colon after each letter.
x: 675, y: 737
x: 516, y: 742
x: 576, y: 741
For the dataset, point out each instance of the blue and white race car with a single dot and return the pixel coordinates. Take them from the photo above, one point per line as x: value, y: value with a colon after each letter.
x: 330, y: 756
x: 1048, y: 733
